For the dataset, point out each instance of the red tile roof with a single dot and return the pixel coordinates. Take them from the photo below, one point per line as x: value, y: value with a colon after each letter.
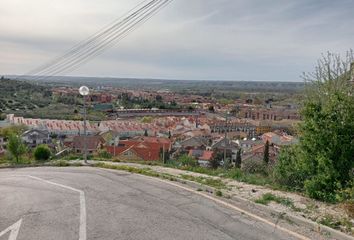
x: 148, y: 151
x: 92, y: 142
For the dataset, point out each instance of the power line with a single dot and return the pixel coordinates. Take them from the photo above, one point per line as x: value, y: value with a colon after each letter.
x: 91, y: 42
x: 107, y: 41
x: 111, y: 43
x: 100, y: 41
x: 82, y: 52
x: 80, y: 44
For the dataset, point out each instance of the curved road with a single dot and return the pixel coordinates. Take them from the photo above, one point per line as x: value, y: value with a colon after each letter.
x: 89, y: 203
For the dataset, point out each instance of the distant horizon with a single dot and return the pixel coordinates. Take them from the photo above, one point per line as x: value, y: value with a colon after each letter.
x: 22, y: 77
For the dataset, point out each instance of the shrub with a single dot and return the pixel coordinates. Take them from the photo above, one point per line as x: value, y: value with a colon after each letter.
x: 266, y: 198
x: 188, y: 161
x: 288, y: 171
x: 327, y: 129
x: 320, y: 187
x: 218, y: 193
x: 254, y: 166
x: 104, y: 154
x: 42, y: 153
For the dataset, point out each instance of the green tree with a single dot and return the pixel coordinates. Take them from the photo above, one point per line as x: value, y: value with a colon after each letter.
x: 164, y: 156
x: 215, y: 161
x: 266, y: 153
x: 42, y: 153
x: 238, y: 159
x: 327, y: 129
x: 289, y: 170
x: 16, y: 130
x: 16, y: 147
x: 324, y: 159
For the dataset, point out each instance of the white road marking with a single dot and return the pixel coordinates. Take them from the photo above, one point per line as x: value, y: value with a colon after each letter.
x: 13, y: 229
x: 226, y: 204
x: 82, y: 229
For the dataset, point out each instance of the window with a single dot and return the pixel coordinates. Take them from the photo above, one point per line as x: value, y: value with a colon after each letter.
x: 128, y: 153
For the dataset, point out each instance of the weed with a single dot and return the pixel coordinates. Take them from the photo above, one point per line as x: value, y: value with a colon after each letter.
x: 330, y: 221
x: 62, y: 163
x: 349, y: 208
x: 218, y: 193
x: 270, y: 197
x: 216, y: 183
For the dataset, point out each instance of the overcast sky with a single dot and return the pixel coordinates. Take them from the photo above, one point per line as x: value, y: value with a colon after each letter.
x: 190, y: 39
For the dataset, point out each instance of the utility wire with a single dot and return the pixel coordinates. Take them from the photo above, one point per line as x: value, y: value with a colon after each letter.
x: 78, y: 57
x: 98, y: 52
x: 104, y: 39
x: 88, y: 45
x: 83, y: 43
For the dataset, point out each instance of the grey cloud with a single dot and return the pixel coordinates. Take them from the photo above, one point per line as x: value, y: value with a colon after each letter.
x: 201, y: 39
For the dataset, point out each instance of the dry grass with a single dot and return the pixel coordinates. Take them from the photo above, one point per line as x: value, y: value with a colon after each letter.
x: 349, y: 208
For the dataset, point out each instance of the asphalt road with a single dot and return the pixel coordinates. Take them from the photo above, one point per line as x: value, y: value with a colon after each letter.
x: 90, y: 203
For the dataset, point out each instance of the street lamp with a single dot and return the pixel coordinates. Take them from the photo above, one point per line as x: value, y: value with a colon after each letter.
x: 225, y: 139
x: 84, y: 91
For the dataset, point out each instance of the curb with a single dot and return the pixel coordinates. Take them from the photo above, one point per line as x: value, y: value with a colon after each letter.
x: 300, y: 221
x: 316, y: 227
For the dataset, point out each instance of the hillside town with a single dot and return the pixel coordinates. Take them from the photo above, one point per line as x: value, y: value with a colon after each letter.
x: 177, y: 120
x: 143, y: 134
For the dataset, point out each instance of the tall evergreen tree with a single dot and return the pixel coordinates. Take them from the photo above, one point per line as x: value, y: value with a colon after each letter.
x: 266, y: 153
x: 238, y: 159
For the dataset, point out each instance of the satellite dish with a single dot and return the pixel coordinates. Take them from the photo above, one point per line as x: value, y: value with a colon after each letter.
x: 84, y: 91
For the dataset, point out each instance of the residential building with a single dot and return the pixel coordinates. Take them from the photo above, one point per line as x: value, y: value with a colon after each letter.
x: 138, y: 150
x: 257, y: 153
x: 248, y: 144
x: 195, y: 143
x: 202, y: 156
x: 93, y: 144
x: 245, y: 127
x: 279, y: 139
x: 35, y: 137
x: 226, y: 144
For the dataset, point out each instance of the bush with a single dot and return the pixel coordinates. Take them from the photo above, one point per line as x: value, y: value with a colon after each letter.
x: 104, y: 154
x: 42, y: 153
x: 218, y: 193
x: 188, y: 161
x: 254, y: 166
x: 288, y: 171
